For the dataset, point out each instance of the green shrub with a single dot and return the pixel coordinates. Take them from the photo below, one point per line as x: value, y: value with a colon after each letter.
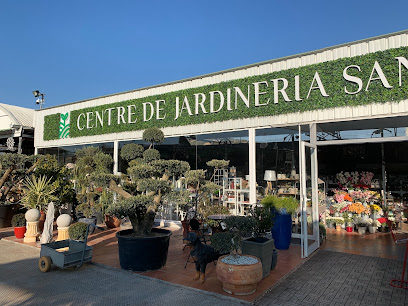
x: 151, y: 155
x: 18, y: 220
x: 77, y: 231
x: 131, y: 151
x: 281, y: 204
x: 153, y: 135
x: 230, y: 241
x: 262, y: 220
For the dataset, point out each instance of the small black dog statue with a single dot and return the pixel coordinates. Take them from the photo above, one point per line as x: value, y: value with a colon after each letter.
x: 202, y: 254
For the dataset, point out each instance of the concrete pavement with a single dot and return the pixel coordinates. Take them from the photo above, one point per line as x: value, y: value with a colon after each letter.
x: 22, y: 283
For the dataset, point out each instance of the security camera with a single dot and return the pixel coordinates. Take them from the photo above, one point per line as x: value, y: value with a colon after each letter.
x: 37, y: 101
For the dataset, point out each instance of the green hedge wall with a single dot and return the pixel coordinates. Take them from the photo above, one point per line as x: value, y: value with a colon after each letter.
x: 331, y: 74
x: 51, y: 126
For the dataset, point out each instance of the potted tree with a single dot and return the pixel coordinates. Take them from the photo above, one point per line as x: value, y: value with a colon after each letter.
x: 239, y: 274
x: 90, y: 165
x: 38, y: 192
x: 19, y: 223
x: 282, y: 209
x: 143, y: 247
x: 258, y: 245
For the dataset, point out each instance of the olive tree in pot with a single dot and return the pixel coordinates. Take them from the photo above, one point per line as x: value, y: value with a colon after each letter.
x: 282, y: 209
x: 143, y: 247
x: 91, y: 162
x: 258, y: 245
x: 239, y: 274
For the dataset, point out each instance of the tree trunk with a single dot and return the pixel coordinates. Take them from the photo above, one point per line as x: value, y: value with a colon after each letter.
x: 114, y: 187
x: 6, y: 175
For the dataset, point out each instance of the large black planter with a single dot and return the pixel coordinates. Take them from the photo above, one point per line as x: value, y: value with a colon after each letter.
x: 262, y: 248
x: 143, y: 253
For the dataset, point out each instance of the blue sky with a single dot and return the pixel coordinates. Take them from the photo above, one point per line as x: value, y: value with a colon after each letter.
x: 76, y: 50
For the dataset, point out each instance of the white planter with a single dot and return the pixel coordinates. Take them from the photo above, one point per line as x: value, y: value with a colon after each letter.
x: 372, y: 229
x: 362, y: 229
x: 32, y: 215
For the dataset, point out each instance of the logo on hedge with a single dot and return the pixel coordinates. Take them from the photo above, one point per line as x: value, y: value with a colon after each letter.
x: 64, y: 126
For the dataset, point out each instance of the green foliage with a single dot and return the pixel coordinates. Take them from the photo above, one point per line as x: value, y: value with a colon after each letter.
x: 77, y: 231
x: 18, y: 220
x: 208, y: 210
x: 195, y: 177
x: 131, y: 151
x: 331, y: 74
x: 237, y: 227
x: 48, y: 166
x: 281, y: 204
x: 262, y: 220
x: 150, y: 155
x: 153, y: 135
x: 39, y: 192
x: 171, y: 167
x: 141, y: 171
x: 153, y: 185
x: 139, y: 209
x: 9, y: 160
x: 92, y: 170
x: 51, y: 126
x: 218, y: 163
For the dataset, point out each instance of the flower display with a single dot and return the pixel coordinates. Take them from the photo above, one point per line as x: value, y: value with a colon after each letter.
x: 366, y: 178
x: 341, y: 196
x: 357, y: 208
x: 376, y: 208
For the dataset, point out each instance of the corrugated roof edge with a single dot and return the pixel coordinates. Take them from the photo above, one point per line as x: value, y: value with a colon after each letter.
x: 237, y: 68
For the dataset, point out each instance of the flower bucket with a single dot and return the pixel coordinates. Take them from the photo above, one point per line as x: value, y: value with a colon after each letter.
x: 362, y: 230
x: 349, y: 229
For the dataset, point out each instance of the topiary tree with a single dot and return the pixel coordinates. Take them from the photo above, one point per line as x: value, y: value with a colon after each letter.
x: 153, y: 135
x: 148, y: 184
x: 131, y: 151
x: 91, y: 166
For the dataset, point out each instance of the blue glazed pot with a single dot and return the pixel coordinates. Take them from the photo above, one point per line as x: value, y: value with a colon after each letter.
x: 282, y: 230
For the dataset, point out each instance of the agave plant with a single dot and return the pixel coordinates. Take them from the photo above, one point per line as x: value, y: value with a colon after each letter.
x: 38, y: 192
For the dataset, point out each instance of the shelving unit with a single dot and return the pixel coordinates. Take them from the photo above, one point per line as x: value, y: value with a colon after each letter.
x: 235, y: 198
x: 287, y: 190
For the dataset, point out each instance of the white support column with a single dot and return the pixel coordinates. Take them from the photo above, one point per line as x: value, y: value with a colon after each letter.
x: 115, y: 156
x: 252, y: 166
x: 35, y: 151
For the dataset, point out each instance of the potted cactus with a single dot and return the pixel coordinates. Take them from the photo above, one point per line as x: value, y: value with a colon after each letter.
x: 143, y: 247
x: 239, y: 274
x: 19, y: 223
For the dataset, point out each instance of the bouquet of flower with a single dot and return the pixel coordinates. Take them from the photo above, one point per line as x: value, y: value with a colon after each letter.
x: 357, y: 208
x: 341, y: 196
x: 377, y: 209
x: 366, y: 178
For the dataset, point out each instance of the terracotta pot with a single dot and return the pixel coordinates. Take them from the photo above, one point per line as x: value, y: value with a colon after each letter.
x: 19, y: 232
x: 112, y: 221
x: 41, y: 221
x: 338, y: 228
x: 239, y: 279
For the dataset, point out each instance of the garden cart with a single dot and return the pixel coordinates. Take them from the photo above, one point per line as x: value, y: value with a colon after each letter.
x: 65, y: 253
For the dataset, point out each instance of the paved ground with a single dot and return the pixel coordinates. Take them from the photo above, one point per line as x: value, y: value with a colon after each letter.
x: 333, y: 278
x: 21, y: 283
x: 327, y: 278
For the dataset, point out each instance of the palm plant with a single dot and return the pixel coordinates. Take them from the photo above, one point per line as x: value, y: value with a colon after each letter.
x: 39, y: 192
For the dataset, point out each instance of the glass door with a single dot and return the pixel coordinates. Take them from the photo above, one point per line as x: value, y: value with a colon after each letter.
x: 309, y: 214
